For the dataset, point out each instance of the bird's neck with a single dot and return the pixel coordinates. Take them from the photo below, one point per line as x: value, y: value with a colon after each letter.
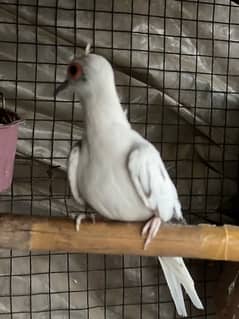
x: 102, y: 111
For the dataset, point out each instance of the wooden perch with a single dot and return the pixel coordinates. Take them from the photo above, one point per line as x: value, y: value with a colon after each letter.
x: 59, y: 234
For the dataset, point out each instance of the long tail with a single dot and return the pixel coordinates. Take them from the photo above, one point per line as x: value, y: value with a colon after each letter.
x: 177, y: 275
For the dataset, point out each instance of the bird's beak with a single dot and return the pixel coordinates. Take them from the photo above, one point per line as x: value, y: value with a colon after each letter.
x: 62, y: 86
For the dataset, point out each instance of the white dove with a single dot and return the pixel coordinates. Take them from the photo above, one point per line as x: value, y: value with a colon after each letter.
x: 119, y: 173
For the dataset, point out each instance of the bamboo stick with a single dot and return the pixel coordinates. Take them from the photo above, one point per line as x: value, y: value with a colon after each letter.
x: 37, y: 233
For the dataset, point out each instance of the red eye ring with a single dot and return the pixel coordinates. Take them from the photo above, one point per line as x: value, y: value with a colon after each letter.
x: 74, y: 71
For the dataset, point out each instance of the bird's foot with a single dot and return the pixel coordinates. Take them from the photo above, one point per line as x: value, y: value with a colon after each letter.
x: 79, y: 217
x: 151, y: 228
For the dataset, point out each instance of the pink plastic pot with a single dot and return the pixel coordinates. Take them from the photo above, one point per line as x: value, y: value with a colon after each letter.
x: 9, y: 122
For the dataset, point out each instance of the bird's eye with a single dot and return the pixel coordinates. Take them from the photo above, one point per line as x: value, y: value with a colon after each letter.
x: 74, y: 71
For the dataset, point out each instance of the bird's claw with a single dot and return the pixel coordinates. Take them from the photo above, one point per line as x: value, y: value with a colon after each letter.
x: 79, y: 217
x: 151, y: 228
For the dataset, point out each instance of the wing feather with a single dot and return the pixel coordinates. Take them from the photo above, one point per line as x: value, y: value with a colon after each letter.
x: 152, y: 182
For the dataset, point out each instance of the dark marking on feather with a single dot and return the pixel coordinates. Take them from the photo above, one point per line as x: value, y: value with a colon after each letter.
x: 162, y: 172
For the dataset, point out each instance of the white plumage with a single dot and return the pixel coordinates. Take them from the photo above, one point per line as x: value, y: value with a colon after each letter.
x: 153, y: 183
x: 119, y: 173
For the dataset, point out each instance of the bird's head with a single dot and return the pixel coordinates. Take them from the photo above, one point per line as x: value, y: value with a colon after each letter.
x: 88, y: 75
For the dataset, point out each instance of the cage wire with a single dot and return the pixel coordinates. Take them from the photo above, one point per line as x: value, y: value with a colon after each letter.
x: 176, y: 68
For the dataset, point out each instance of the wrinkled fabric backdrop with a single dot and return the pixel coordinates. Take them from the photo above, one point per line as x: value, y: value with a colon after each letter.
x: 176, y: 68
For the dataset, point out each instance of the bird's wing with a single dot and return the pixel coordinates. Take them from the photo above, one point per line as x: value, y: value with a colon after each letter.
x: 73, y: 165
x: 152, y: 182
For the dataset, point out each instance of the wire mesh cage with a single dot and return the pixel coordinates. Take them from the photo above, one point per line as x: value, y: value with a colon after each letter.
x: 176, y: 68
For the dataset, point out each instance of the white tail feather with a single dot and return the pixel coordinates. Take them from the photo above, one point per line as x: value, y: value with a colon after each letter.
x: 177, y: 275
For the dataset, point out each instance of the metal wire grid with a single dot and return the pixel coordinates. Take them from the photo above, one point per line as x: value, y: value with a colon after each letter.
x: 88, y: 286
